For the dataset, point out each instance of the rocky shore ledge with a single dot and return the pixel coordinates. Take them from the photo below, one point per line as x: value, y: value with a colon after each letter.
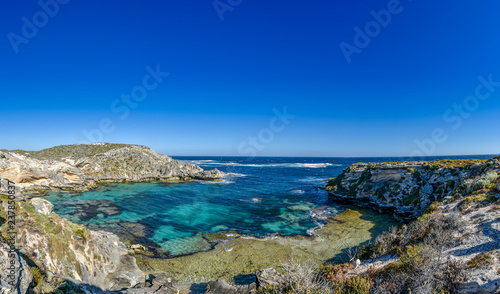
x: 82, y: 166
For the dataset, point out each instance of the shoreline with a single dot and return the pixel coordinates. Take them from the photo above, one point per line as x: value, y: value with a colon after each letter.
x: 248, y: 253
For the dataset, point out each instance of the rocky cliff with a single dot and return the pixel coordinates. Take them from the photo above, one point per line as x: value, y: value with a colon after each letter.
x: 80, y: 167
x: 407, y: 189
x: 51, y: 249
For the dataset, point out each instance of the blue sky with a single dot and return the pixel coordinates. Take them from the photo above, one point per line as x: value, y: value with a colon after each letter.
x: 227, y: 78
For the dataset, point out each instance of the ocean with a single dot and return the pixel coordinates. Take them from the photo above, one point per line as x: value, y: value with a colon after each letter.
x: 261, y: 196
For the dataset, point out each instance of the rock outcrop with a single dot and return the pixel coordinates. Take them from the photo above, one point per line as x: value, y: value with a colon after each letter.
x: 14, y: 277
x: 222, y: 287
x: 407, y: 189
x: 269, y: 277
x: 70, y: 251
x: 42, y: 206
x: 80, y: 167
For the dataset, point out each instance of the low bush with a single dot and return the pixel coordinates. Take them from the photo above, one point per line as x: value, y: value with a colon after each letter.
x: 483, y: 259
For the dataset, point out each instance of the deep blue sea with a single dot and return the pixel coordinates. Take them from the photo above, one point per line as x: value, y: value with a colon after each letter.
x: 260, y: 196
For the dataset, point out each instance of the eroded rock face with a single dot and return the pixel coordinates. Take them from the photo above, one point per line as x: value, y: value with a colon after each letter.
x: 33, y: 174
x: 79, y: 167
x: 71, y: 251
x: 14, y: 278
x: 407, y: 189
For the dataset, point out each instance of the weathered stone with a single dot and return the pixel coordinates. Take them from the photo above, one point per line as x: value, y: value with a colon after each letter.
x: 21, y: 278
x: 222, y: 287
x: 406, y: 189
x: 356, y: 263
x: 269, y: 276
x: 42, y: 206
x: 89, y: 257
x: 158, y: 284
x: 138, y: 247
x: 119, y: 163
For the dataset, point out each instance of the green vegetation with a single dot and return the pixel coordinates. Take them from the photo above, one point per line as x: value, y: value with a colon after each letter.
x: 74, y: 152
x: 81, y: 233
x: 412, y: 198
x: 483, y: 259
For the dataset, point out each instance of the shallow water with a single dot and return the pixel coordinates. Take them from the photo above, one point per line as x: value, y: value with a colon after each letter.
x: 258, y: 197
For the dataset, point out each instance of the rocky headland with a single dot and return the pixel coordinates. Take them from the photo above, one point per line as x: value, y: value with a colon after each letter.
x: 53, y: 255
x: 407, y: 189
x: 449, y: 241
x: 82, y: 166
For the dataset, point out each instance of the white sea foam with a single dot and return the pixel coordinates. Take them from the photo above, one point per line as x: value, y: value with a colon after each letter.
x: 290, y: 165
x: 235, y: 175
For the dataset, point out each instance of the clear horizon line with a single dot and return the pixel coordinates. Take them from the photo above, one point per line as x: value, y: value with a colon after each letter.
x: 297, y: 156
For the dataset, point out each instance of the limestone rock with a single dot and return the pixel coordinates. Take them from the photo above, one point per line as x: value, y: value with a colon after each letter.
x: 356, y: 263
x: 71, y: 251
x: 407, y: 189
x: 42, y: 206
x: 222, y: 287
x: 79, y: 167
x: 159, y: 284
x: 269, y: 276
x: 21, y: 278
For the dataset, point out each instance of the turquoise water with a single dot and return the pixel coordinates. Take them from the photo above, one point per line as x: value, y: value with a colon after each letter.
x: 260, y: 197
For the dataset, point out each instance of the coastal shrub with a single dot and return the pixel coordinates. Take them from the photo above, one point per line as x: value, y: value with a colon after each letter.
x: 341, y: 280
x: 481, y: 184
x: 454, y: 275
x: 81, y: 233
x: 301, y: 278
x: 366, y: 252
x: 490, y: 177
x: 37, y: 274
x: 467, y: 186
x: 433, y: 207
x: 418, y: 271
x: 432, y: 167
x: 388, y: 241
x: 395, y: 188
x: 483, y: 259
x: 412, y: 198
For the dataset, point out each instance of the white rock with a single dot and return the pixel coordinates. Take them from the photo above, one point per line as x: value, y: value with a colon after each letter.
x: 42, y: 206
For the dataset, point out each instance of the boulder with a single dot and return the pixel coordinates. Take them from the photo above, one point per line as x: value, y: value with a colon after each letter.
x: 42, y: 206
x: 222, y: 287
x: 158, y: 284
x: 269, y: 276
x: 497, y: 188
x: 356, y: 263
x: 137, y: 247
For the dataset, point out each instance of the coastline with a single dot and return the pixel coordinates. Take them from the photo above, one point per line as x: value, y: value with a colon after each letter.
x: 383, y: 187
